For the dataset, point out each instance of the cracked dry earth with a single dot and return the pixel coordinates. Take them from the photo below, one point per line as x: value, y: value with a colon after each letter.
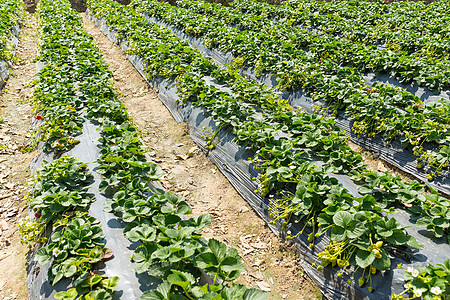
x: 15, y: 137
x: 270, y: 264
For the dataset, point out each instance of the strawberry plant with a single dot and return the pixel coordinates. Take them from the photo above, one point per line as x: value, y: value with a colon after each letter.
x: 60, y: 198
x: 430, y: 282
x: 73, y: 251
x: 10, y: 14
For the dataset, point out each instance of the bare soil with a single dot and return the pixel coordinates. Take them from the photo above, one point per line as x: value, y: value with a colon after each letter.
x: 15, y: 126
x: 375, y: 164
x: 270, y: 263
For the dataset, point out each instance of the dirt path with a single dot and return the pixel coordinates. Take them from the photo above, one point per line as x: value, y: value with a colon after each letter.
x: 270, y: 264
x: 15, y: 125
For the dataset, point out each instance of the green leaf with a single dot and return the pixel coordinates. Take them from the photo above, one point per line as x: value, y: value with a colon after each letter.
x: 412, y: 242
x: 364, y: 258
x: 153, y: 295
x: 144, y: 233
x: 365, y: 189
x: 164, y: 288
x: 183, y: 279
x: 205, y: 260
x: 234, y: 292
x: 69, y: 272
x: 356, y: 230
x: 162, y: 253
x: 42, y: 256
x: 218, y: 248
x: 338, y: 234
x: 202, y: 221
x: 383, y: 263
x: 230, y: 264
x: 70, y: 294
x: 255, y: 294
x: 342, y: 218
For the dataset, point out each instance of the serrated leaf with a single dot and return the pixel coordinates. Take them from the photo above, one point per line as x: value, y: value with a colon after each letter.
x: 153, y: 295
x: 255, y: 294
x: 364, y: 258
x: 383, y: 263
x: 342, y: 218
x: 218, y: 248
x: 42, y: 256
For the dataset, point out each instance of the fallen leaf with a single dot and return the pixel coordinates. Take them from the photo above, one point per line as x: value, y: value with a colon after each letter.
x: 248, y: 251
x: 258, y: 262
x: 107, y: 254
x: 3, y: 225
x: 6, y: 196
x: 243, y: 209
x: 263, y: 286
x: 10, y: 185
x: 259, y: 245
x: 192, y: 151
x: 181, y: 157
x: 5, y: 256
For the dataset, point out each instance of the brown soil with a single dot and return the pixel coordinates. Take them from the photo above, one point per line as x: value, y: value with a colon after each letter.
x: 270, y: 264
x: 375, y: 164
x: 15, y: 125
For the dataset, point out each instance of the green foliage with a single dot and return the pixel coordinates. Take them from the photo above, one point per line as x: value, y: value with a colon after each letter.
x: 10, y: 14
x: 430, y: 282
x: 60, y: 198
x: 285, y: 142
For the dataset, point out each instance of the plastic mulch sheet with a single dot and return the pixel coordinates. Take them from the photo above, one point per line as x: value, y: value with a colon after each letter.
x: 232, y: 161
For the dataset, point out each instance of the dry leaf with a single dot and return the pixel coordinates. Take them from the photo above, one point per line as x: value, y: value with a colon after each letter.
x: 3, y: 225
x: 263, y: 286
x: 258, y: 262
x: 10, y: 185
x: 259, y: 245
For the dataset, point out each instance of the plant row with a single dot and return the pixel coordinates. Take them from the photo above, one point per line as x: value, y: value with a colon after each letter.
x: 60, y: 198
x: 402, y: 27
x: 10, y: 12
x: 76, y: 84
x: 285, y: 142
x: 380, y: 109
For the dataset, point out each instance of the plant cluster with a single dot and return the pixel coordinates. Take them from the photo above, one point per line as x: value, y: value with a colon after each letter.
x: 328, y: 69
x: 59, y: 201
x: 286, y: 142
x: 428, y: 283
x: 60, y: 188
x: 398, y: 99
x: 72, y: 84
x: 171, y: 247
x: 76, y: 245
x: 386, y: 38
x: 10, y: 13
